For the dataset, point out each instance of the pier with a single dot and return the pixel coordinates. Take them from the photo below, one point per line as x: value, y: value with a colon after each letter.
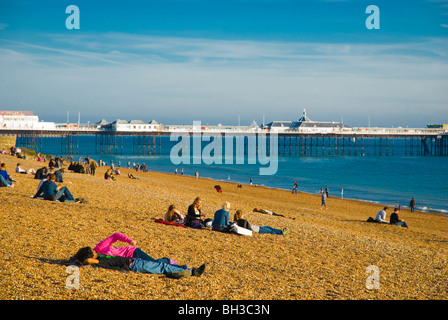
x: 303, y: 137
x: 347, y: 142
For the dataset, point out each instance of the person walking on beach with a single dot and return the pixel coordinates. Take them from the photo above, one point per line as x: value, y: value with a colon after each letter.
x: 295, y: 187
x: 323, y: 200
x: 196, y: 174
x: 381, y: 215
x: 412, y: 204
x: 395, y: 220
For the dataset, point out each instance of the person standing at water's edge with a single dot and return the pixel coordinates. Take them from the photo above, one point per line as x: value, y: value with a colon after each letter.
x: 412, y: 204
x: 295, y: 187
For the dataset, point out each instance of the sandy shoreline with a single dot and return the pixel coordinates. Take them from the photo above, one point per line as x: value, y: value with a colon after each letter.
x: 324, y: 257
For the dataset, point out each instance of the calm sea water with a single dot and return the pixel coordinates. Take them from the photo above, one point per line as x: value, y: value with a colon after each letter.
x: 384, y: 179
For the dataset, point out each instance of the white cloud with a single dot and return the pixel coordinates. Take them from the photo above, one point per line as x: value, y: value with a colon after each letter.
x: 143, y: 77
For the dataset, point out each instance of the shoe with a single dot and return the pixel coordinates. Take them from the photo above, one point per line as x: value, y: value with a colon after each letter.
x: 197, y: 272
x: 10, y: 186
x: 179, y: 274
x: 286, y: 231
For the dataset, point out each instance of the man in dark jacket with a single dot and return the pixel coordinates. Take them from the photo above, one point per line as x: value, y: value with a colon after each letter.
x: 49, y: 190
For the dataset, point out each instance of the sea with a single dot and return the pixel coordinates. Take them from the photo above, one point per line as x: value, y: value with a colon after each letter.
x: 390, y: 179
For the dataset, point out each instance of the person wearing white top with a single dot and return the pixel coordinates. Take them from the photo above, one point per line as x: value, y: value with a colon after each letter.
x: 381, y: 216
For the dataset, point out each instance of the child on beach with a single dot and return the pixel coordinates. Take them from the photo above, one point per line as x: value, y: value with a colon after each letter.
x: 239, y: 219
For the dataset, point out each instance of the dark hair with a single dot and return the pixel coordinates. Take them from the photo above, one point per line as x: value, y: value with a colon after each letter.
x: 385, y: 208
x: 83, y: 254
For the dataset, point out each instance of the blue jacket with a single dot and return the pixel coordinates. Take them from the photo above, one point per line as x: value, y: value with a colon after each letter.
x: 48, y: 189
x: 221, y: 218
x: 5, y: 175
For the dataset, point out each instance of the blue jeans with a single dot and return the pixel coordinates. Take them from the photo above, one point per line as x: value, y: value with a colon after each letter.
x: 270, y: 230
x: 3, y: 182
x: 140, y: 254
x: 156, y: 267
x: 64, y: 192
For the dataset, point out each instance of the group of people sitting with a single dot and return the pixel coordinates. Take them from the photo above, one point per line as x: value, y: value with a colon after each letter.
x: 394, y: 219
x: 221, y: 220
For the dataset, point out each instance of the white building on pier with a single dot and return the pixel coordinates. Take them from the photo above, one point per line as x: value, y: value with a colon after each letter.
x: 23, y: 120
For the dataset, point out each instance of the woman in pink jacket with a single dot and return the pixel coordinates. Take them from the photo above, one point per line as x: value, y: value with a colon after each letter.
x: 105, y: 248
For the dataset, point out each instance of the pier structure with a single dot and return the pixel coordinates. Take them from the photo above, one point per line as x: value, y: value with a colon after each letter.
x: 347, y: 142
x: 302, y: 137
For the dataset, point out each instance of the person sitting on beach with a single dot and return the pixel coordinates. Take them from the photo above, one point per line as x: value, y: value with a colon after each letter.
x: 131, y: 176
x: 57, y: 173
x: 381, y: 216
x: 194, y: 217
x: 174, y: 215
x: 108, y: 175
x: 87, y: 256
x: 41, y: 173
x: 221, y: 219
x: 240, y: 221
x: 5, y: 179
x: 23, y: 171
x: 395, y: 220
x: 49, y: 190
x: 267, y: 212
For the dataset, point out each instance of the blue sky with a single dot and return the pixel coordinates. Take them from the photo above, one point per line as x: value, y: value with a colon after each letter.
x: 220, y: 61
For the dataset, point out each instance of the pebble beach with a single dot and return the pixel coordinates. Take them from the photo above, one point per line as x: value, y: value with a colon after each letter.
x: 326, y: 255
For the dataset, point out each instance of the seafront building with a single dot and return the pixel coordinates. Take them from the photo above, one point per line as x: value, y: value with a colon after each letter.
x: 305, y: 124
x: 23, y: 120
